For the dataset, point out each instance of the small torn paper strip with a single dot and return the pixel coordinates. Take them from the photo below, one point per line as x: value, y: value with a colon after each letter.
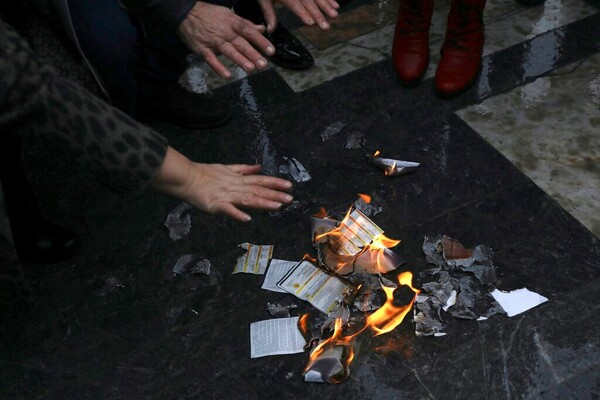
x: 277, y: 270
x: 309, y: 283
x: 275, y: 336
x: 357, y: 231
x: 189, y: 263
x: 295, y: 169
x: 255, y: 260
x: 518, y: 301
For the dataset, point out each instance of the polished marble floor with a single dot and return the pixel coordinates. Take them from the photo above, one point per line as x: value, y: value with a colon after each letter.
x: 512, y: 163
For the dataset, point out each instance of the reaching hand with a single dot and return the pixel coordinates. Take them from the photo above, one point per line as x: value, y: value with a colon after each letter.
x: 218, y: 188
x: 209, y: 30
x: 308, y: 11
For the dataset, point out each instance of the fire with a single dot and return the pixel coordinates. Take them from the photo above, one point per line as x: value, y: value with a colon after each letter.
x: 302, y: 323
x: 389, y: 316
x: 365, y: 197
x: 390, y: 169
x: 308, y: 257
x: 384, y: 320
x: 377, y: 153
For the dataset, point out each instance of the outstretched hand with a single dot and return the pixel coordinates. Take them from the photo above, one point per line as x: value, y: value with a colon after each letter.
x: 218, y: 188
x: 209, y: 30
x: 309, y: 11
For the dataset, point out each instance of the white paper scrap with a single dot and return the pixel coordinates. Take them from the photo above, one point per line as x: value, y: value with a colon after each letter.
x: 309, y: 283
x: 275, y: 336
x: 518, y: 301
x: 277, y: 270
x: 357, y: 231
x: 255, y: 260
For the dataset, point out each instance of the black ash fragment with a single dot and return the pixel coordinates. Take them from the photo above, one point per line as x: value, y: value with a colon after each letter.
x: 332, y: 130
x: 110, y: 285
x: 355, y: 141
x: 179, y: 222
x: 282, y: 307
x: 367, y: 208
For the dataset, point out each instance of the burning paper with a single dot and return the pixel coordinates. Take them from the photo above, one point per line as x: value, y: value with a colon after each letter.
x: 255, y: 260
x: 277, y: 270
x: 330, y: 359
x: 307, y: 282
x: 363, y: 204
x: 357, y: 245
x: 518, y: 301
x: 295, y: 169
x: 275, y: 336
x: 327, y: 367
x: 392, y: 167
x: 179, y: 221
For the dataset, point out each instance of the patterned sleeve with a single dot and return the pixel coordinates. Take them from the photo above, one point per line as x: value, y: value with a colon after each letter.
x: 123, y: 153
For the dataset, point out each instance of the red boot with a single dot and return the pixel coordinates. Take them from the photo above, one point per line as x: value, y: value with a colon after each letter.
x: 410, y: 51
x: 461, y: 52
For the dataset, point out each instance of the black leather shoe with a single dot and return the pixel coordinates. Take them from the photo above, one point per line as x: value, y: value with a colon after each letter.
x: 185, y: 108
x: 45, y: 243
x: 290, y: 53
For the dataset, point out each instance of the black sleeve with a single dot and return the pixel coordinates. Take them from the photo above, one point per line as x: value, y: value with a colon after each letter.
x: 34, y: 100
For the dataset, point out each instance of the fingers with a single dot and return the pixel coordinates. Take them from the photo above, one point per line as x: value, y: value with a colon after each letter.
x: 329, y: 7
x: 245, y: 169
x: 269, y: 14
x: 317, y: 15
x: 211, y: 59
x: 235, y: 213
x: 253, y: 35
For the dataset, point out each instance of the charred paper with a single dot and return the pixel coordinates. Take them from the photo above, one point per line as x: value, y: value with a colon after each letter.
x: 328, y: 366
x: 393, y: 167
x: 179, y: 222
x: 463, y: 279
x: 281, y: 308
x: 295, y: 169
x: 191, y: 264
x: 332, y: 130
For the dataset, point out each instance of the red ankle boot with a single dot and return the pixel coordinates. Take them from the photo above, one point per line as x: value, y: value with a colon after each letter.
x: 461, y: 52
x: 410, y: 50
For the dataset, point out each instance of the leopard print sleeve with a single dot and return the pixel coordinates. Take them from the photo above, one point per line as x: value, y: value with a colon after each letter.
x: 123, y: 153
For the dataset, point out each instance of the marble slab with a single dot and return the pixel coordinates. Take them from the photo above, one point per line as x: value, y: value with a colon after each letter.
x: 558, y: 147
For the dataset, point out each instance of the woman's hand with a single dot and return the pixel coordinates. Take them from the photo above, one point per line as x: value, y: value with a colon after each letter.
x: 218, y: 188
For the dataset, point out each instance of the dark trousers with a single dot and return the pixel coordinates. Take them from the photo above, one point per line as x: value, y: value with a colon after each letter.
x: 131, y: 61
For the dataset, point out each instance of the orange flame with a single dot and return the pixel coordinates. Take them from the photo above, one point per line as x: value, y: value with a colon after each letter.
x: 384, y: 320
x: 389, y: 316
x: 377, y: 153
x: 308, y: 257
x: 302, y: 324
x: 365, y: 197
x: 391, y: 169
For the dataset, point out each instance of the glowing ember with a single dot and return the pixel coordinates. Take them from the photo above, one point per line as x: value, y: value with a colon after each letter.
x: 365, y: 197
x: 377, y: 153
x: 308, y: 257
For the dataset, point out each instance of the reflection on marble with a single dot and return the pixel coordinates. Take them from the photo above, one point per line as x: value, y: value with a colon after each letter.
x: 558, y: 147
